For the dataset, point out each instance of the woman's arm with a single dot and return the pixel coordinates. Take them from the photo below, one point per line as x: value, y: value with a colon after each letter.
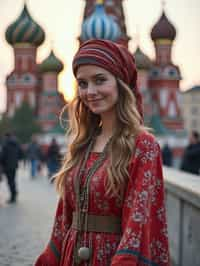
x: 144, y: 240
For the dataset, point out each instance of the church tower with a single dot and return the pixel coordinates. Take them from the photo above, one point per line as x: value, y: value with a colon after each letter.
x: 165, y: 76
x: 112, y: 14
x: 50, y: 101
x: 25, y: 35
x: 37, y: 84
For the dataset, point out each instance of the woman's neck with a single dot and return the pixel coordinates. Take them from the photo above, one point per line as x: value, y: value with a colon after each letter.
x: 107, y: 129
x: 108, y: 125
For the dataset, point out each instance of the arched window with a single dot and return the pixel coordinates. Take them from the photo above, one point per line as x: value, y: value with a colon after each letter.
x: 170, y: 72
x: 155, y: 73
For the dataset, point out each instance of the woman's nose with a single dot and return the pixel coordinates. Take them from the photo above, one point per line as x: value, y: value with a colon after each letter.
x: 91, y: 89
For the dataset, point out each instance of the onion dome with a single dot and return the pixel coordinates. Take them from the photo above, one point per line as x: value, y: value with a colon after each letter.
x: 163, y: 29
x: 51, y: 64
x: 100, y: 25
x: 142, y: 61
x: 25, y: 30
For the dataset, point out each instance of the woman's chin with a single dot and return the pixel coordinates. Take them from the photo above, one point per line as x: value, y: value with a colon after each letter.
x: 96, y: 111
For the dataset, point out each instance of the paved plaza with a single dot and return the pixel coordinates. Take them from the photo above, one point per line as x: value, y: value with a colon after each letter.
x: 25, y: 226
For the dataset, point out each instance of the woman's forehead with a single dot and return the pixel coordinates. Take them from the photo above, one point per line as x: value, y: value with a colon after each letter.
x: 87, y: 71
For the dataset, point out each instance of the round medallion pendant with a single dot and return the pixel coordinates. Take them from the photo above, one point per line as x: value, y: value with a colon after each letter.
x: 84, y: 253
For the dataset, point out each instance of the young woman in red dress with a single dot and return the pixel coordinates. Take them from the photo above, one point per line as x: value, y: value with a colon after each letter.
x: 111, y: 210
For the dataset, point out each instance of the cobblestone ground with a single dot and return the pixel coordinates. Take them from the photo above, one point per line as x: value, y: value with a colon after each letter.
x: 25, y: 226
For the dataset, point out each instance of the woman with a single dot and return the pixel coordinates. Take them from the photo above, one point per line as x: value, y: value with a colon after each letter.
x: 111, y: 210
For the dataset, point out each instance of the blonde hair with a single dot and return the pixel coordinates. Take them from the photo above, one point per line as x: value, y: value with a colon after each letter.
x: 83, y: 125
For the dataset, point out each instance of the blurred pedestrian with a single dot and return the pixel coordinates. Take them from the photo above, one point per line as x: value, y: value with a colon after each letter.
x: 191, y: 157
x: 167, y: 155
x: 34, y: 155
x: 111, y: 209
x: 53, y: 158
x: 10, y: 156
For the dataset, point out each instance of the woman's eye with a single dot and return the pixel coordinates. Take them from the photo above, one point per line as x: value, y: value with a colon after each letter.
x: 82, y: 84
x: 100, y: 81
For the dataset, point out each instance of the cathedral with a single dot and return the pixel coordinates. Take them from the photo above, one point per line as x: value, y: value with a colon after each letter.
x: 29, y: 81
x: 158, y: 79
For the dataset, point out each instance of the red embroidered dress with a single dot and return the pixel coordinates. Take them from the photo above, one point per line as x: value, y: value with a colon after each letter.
x: 144, y: 232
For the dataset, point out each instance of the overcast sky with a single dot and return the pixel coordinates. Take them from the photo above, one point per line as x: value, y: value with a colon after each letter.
x: 61, y: 20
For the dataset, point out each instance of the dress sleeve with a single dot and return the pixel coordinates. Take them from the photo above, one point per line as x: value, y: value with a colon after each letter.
x: 52, y: 254
x: 144, y: 231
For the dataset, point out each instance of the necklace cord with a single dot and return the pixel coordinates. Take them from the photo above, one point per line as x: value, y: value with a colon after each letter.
x: 82, y: 193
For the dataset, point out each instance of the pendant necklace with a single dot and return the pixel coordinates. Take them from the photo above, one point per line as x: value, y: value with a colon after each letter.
x: 83, y: 253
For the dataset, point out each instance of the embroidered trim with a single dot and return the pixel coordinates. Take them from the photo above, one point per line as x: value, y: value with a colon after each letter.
x: 54, y: 250
x: 137, y: 254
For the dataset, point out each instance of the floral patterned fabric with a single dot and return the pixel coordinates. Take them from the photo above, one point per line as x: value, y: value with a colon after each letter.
x: 143, y: 240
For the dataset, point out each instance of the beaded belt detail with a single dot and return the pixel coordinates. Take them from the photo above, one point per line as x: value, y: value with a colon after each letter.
x: 98, y: 223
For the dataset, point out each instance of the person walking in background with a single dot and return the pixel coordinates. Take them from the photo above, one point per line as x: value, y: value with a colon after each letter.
x: 191, y: 157
x: 167, y: 155
x: 111, y: 209
x: 53, y: 158
x: 34, y: 155
x: 10, y: 156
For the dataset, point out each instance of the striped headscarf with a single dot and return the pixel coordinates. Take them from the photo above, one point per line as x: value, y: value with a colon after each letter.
x: 114, y: 58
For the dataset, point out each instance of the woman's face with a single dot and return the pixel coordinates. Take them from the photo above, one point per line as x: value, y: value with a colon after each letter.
x: 97, y: 88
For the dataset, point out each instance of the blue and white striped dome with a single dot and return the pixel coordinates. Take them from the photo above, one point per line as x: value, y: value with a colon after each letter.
x: 100, y: 26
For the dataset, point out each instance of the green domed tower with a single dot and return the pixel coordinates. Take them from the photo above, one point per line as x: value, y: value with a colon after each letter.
x: 51, y: 64
x: 25, y: 30
x: 24, y: 35
x: 50, y: 101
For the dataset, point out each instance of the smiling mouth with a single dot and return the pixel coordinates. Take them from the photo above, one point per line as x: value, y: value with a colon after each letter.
x: 94, y: 101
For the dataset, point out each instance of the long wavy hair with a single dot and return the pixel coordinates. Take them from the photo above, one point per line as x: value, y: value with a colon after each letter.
x: 84, y: 124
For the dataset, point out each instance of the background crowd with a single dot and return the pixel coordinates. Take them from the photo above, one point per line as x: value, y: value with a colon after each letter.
x: 34, y: 155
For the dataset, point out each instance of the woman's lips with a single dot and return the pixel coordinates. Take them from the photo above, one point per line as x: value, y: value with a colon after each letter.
x: 95, y: 100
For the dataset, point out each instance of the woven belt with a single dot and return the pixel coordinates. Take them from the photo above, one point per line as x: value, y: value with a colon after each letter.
x: 98, y: 223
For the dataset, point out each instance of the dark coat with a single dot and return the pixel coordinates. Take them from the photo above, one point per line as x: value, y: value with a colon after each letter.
x: 34, y: 151
x: 191, y: 159
x: 53, y: 153
x: 167, y: 155
x: 11, y: 154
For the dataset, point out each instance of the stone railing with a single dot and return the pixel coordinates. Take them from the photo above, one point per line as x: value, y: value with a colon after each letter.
x: 183, y: 214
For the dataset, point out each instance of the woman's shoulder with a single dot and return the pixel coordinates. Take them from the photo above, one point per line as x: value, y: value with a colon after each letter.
x: 145, y: 141
x: 145, y: 137
x: 146, y: 149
